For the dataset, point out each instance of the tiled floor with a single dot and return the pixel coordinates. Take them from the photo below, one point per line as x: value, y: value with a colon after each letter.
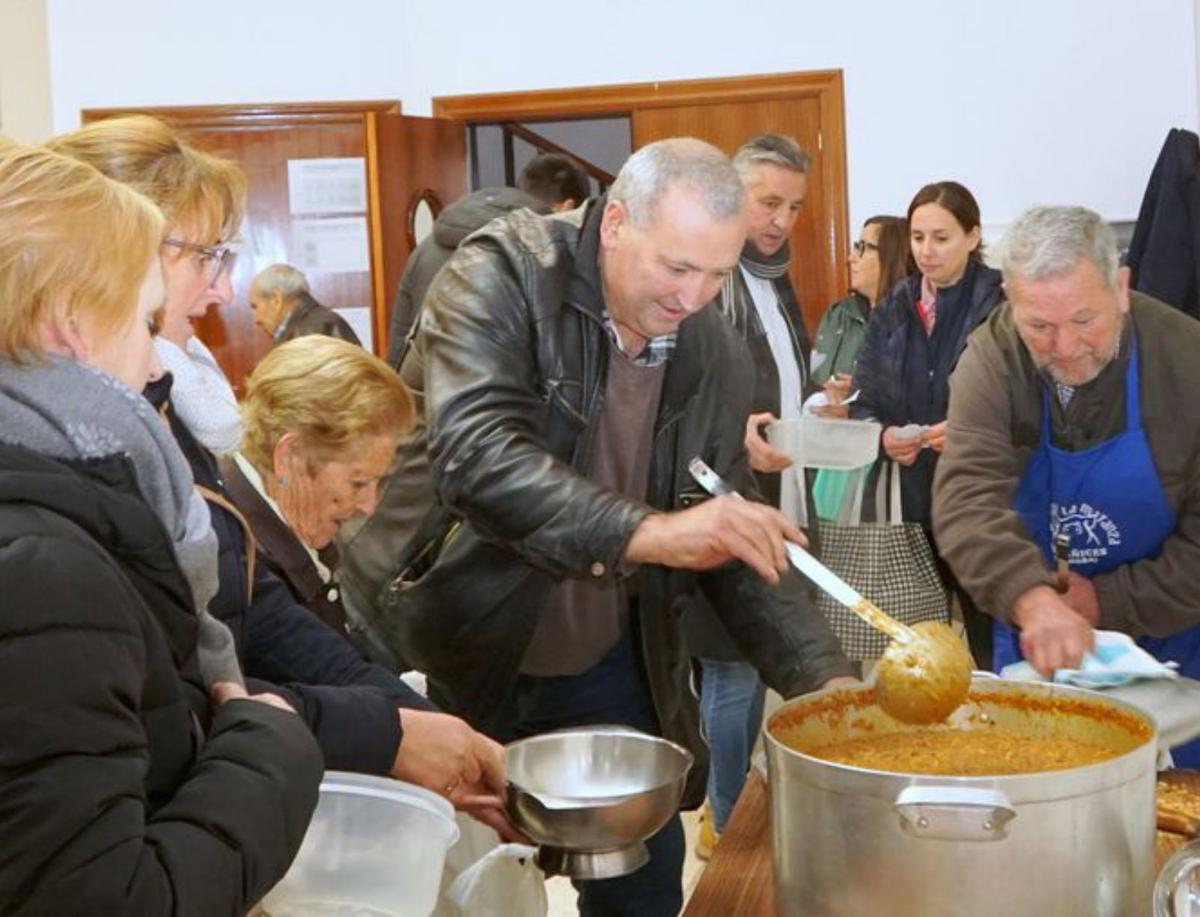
x: 562, y: 895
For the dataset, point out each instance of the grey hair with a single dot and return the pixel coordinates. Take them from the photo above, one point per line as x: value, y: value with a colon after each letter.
x: 700, y: 166
x: 1047, y: 241
x: 771, y: 150
x: 282, y: 279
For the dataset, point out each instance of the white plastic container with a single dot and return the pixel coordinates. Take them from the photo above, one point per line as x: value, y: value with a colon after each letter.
x: 375, y: 848
x: 826, y: 442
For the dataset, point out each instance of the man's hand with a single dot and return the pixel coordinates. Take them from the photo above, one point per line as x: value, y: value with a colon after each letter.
x: 901, y: 451
x: 713, y: 533
x: 1081, y: 596
x: 1053, y: 635
x: 935, y: 436
x: 763, y: 456
x: 221, y: 692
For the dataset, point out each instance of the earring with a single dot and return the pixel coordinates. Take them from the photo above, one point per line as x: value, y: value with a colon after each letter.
x: 283, y: 481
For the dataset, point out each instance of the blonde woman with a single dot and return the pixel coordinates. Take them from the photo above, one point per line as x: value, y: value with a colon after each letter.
x: 203, y: 197
x: 113, y: 801
x: 362, y: 715
x: 322, y: 421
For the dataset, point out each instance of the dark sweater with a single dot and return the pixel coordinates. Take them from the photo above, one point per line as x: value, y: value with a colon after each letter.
x: 583, y: 618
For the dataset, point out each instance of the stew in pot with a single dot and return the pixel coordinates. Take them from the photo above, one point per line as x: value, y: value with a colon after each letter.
x: 964, y: 753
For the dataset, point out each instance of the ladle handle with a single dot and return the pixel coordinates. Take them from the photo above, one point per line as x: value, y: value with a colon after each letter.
x: 816, y: 571
x: 881, y: 620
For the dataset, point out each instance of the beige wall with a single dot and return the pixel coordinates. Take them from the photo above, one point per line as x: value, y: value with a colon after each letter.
x: 25, y: 109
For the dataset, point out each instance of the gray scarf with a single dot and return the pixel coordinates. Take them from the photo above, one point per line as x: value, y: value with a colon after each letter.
x: 62, y: 408
x: 736, y: 302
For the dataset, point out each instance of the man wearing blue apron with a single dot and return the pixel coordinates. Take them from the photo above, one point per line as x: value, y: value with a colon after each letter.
x: 1073, y: 414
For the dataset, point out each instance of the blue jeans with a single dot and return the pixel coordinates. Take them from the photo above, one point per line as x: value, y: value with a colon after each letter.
x: 613, y: 691
x: 731, y: 706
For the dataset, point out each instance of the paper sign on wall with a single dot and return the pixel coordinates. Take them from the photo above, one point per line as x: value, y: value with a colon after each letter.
x: 338, y: 245
x: 332, y: 185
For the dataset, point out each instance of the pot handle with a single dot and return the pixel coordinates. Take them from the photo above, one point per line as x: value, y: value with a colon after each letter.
x: 952, y: 813
x: 1177, y: 883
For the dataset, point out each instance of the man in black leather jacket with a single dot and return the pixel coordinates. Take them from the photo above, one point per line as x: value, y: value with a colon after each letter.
x: 546, y: 483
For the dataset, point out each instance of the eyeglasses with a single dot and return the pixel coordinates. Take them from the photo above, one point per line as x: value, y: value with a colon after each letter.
x: 862, y: 246
x: 214, y: 260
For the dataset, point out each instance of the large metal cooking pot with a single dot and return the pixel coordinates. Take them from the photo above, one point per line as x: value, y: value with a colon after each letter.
x: 1070, y: 843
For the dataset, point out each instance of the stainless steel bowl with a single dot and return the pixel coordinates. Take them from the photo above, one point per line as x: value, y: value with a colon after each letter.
x: 589, y: 797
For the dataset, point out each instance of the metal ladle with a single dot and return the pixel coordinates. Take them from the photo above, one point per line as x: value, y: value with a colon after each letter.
x: 925, y: 672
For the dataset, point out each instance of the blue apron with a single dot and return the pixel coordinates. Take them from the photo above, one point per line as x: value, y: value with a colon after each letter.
x: 1109, y: 501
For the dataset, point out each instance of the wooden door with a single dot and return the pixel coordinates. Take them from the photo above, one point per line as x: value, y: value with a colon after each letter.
x: 411, y: 159
x: 398, y: 154
x: 728, y: 126
x: 727, y: 112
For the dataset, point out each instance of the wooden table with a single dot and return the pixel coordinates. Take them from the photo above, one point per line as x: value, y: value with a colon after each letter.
x: 739, y: 879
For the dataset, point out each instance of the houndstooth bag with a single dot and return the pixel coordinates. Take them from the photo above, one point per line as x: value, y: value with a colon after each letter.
x: 890, y: 562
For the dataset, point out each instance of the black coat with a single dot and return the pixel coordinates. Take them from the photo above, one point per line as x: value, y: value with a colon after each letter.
x: 310, y: 317
x: 118, y: 794
x: 453, y: 224
x: 488, y: 507
x: 1164, y: 254
x: 349, y: 704
x: 903, y: 375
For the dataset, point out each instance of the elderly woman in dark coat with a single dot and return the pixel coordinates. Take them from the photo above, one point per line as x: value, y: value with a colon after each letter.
x: 136, y: 774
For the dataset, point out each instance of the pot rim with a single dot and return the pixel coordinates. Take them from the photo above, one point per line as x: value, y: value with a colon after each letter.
x: 1036, y: 786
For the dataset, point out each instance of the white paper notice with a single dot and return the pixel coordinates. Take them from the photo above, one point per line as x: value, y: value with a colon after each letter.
x: 331, y: 245
x: 335, y: 185
x: 359, y: 318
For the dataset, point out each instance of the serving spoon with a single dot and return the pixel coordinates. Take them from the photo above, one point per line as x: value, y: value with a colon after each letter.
x: 925, y: 672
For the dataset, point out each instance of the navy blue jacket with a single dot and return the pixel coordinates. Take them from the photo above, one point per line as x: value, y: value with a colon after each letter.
x: 349, y: 704
x: 903, y: 375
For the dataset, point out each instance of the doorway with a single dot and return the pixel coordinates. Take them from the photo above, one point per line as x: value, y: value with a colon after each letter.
x: 497, y: 152
x: 726, y: 112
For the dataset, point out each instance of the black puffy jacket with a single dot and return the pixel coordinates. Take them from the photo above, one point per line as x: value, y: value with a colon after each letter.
x: 903, y: 375
x: 118, y: 794
x: 486, y: 508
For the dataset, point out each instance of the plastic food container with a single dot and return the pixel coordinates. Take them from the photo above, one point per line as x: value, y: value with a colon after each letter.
x: 826, y: 442
x: 375, y: 848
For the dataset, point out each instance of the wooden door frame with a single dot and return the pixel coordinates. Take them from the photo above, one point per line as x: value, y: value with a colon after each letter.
x: 826, y: 86
x: 264, y: 114
x: 362, y: 114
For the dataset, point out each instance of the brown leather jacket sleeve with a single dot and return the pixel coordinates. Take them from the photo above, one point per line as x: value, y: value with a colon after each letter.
x: 977, y: 531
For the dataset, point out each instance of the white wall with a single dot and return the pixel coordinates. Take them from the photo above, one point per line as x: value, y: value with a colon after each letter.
x: 24, y: 71
x: 1026, y: 101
